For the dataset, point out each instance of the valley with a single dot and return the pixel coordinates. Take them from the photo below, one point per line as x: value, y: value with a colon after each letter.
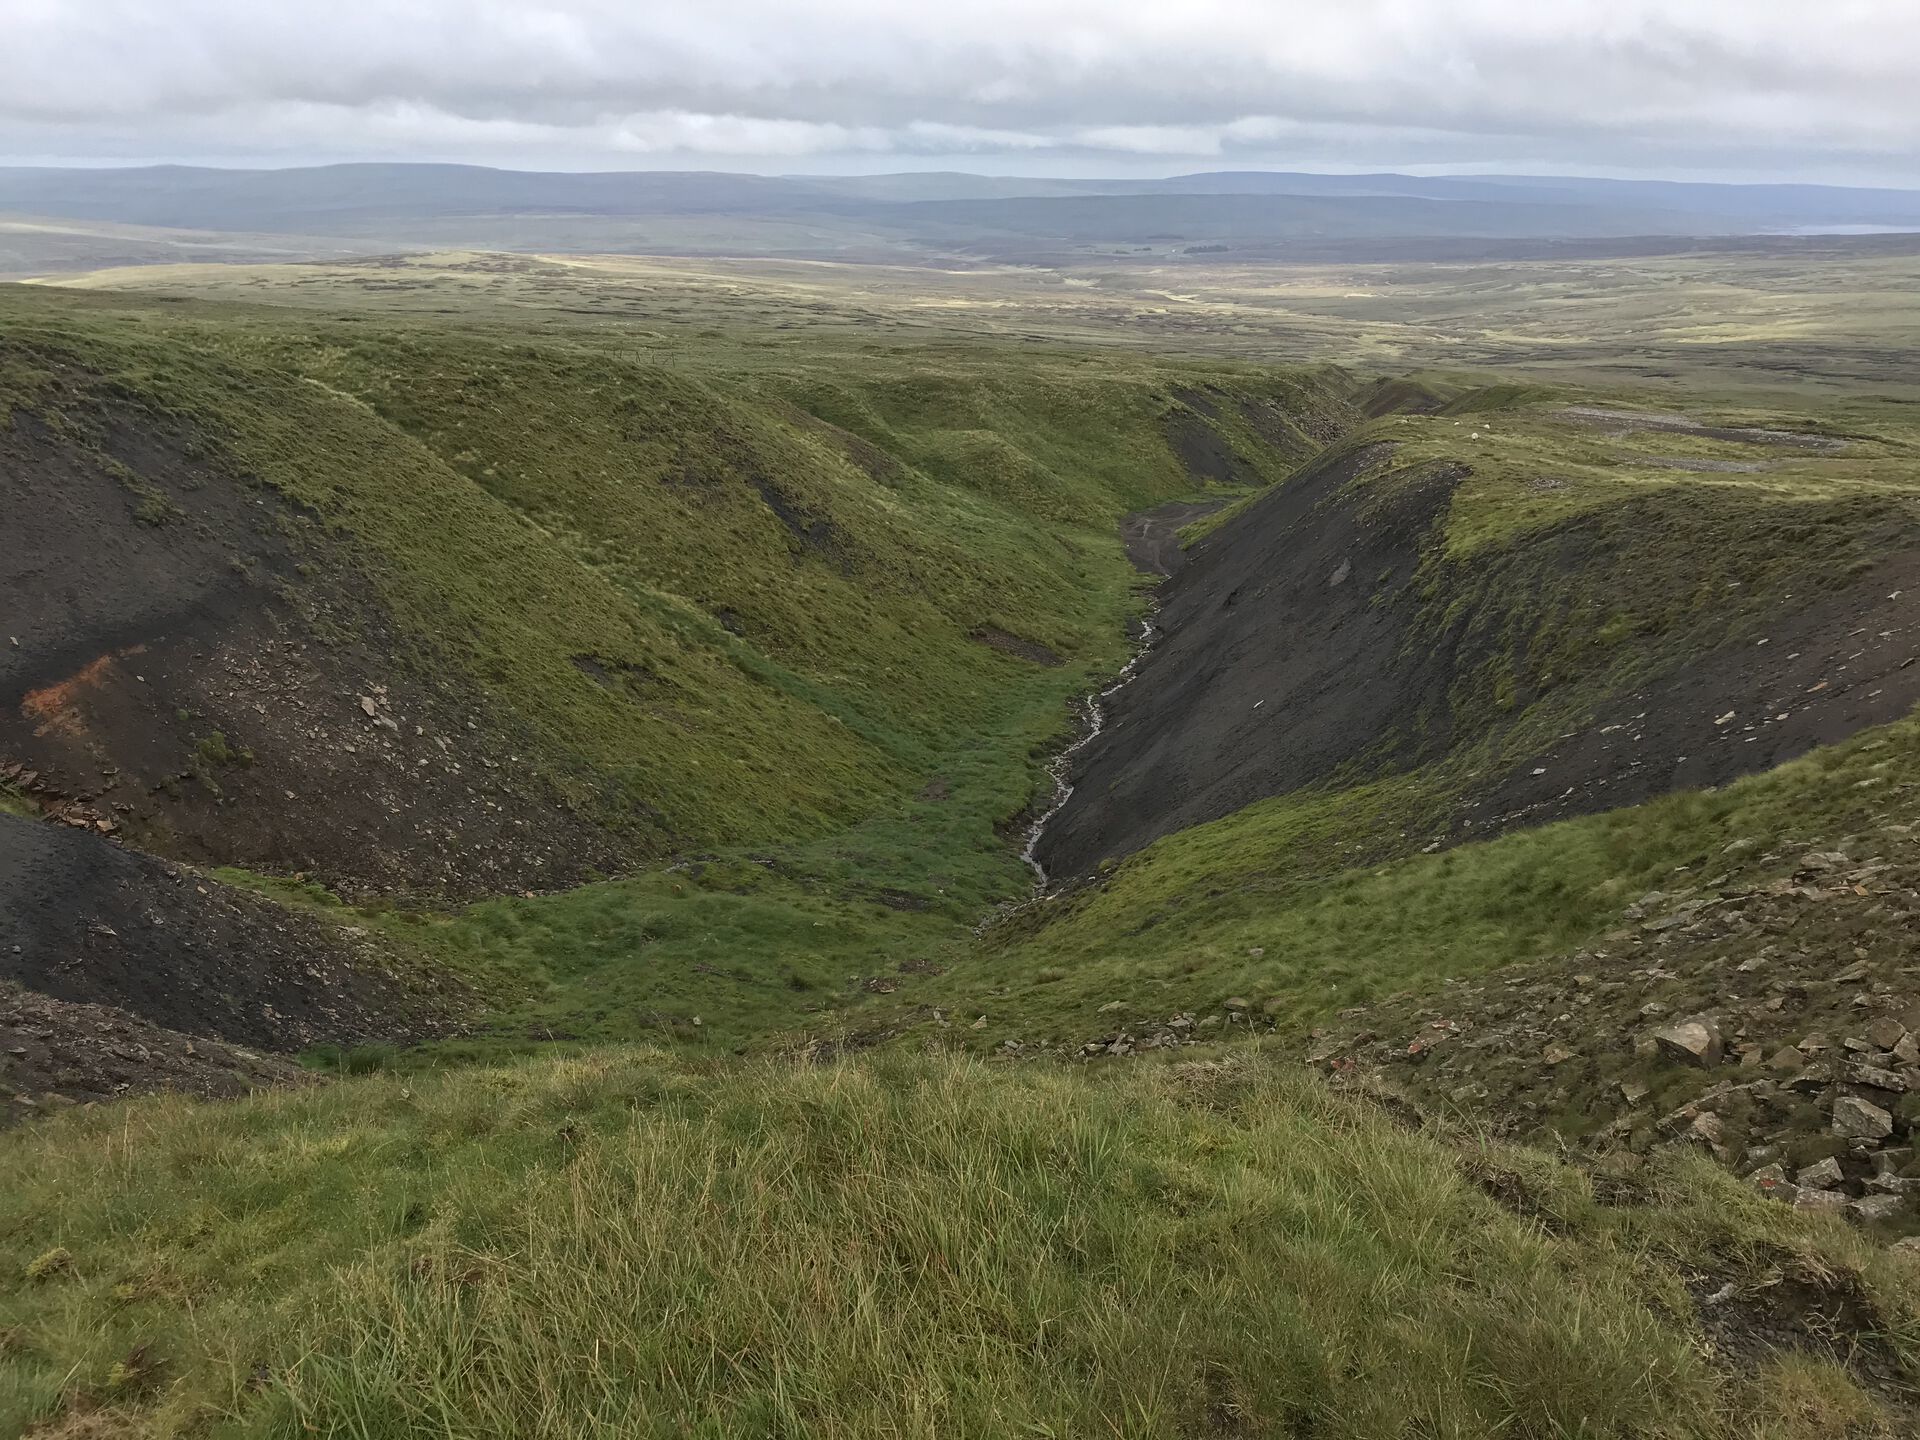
x: 523, y: 776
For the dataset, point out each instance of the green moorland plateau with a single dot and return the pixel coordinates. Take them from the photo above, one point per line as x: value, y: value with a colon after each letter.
x: 603, y: 701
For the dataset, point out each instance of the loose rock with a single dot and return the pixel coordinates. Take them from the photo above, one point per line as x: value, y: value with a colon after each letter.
x: 1860, y: 1119
x: 1692, y: 1042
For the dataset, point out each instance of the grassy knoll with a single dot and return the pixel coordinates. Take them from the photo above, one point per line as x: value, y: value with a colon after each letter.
x: 626, y: 1245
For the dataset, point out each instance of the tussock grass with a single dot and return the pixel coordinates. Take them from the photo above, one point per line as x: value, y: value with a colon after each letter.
x: 622, y: 1244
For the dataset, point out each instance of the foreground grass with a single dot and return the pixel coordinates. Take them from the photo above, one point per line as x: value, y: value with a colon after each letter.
x: 623, y: 1244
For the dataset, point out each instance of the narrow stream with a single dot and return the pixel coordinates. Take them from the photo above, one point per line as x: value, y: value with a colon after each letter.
x: 1152, y: 540
x: 1093, y: 715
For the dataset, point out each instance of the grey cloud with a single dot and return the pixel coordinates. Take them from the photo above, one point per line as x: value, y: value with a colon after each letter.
x: 1760, y: 84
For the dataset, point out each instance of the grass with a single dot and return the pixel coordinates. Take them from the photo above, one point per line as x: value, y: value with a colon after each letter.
x: 713, y: 539
x: 715, y: 616
x: 1309, y: 903
x: 1838, y: 324
x: 527, y: 490
x: 630, y: 1245
x: 729, y: 616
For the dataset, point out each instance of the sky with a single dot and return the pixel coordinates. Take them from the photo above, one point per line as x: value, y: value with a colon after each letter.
x: 1710, y: 89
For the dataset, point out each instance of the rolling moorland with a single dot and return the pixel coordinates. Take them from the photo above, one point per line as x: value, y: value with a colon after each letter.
x: 524, y: 762
x: 65, y: 220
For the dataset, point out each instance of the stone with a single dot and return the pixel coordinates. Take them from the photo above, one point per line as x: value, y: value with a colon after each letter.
x: 1876, y: 1209
x: 1675, y: 919
x: 1816, y: 861
x: 1771, y: 1181
x: 1909, y: 1247
x: 1891, y: 1184
x: 1907, y: 1052
x: 1860, y: 1119
x: 1692, y: 1042
x: 1786, y: 1059
x: 1822, y: 1175
x: 1886, y: 1032
x: 1556, y: 1055
x: 1235, y: 1002
x: 1876, y: 1078
x: 1708, y: 1129
x: 1644, y: 906
x: 1633, y: 1091
x: 1853, y: 974
x: 1828, y: 1202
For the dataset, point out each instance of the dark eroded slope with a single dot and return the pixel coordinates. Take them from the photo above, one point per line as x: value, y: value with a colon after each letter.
x: 191, y: 663
x: 1674, y: 637
x: 1273, y: 668
x: 120, y: 972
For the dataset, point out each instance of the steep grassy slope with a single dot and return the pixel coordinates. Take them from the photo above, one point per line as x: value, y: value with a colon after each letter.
x: 1298, y: 906
x: 1451, y: 625
x: 430, y: 610
x: 1547, y: 606
x: 909, y: 1247
x: 695, y: 613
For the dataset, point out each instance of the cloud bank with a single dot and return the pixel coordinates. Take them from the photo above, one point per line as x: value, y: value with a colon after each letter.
x: 1766, y: 87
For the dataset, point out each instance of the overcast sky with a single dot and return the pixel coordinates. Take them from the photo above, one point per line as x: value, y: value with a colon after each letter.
x: 1790, y: 89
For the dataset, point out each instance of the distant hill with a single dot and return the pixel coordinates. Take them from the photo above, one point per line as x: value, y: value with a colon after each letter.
x: 946, y: 217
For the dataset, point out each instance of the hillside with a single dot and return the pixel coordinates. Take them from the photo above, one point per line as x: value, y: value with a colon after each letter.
x: 429, y: 612
x: 566, y: 740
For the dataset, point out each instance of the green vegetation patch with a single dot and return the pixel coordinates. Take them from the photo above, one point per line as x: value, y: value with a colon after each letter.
x: 723, y: 608
x: 1308, y: 903
x: 906, y: 1246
